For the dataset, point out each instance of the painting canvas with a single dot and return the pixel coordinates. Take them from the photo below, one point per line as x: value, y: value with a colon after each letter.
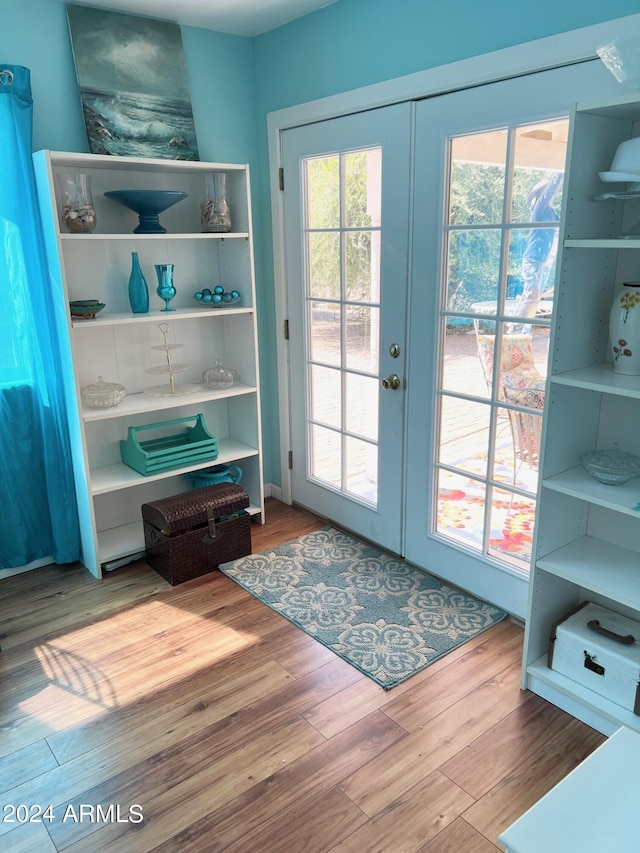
x: 133, y: 85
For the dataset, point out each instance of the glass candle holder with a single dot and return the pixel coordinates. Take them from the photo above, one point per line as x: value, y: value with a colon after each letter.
x: 165, y: 289
x: 78, y: 213
x: 214, y: 210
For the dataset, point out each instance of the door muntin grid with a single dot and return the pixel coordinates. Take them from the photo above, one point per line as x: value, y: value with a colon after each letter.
x: 342, y: 239
x: 494, y: 239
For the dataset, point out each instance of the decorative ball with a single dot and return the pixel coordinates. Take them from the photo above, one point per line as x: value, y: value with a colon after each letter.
x: 218, y: 289
x: 198, y: 296
x: 206, y: 291
x: 226, y: 297
x: 235, y: 294
x: 216, y: 298
x: 207, y: 297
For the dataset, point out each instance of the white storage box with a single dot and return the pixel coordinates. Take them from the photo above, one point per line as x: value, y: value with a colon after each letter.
x: 599, y: 649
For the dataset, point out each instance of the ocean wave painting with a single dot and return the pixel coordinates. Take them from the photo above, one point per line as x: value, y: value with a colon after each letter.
x: 133, y: 85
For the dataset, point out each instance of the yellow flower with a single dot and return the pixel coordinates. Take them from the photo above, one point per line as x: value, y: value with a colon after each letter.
x: 630, y: 300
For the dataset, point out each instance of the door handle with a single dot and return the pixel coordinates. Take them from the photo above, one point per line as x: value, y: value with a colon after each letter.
x: 391, y: 382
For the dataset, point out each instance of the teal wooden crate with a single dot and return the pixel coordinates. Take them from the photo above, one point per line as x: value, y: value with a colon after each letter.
x: 167, y: 451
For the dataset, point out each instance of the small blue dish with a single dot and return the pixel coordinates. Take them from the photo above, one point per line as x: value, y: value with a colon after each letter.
x: 148, y: 204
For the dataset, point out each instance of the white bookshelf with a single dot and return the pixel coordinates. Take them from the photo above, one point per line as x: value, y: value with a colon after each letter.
x: 118, y: 345
x: 587, y: 542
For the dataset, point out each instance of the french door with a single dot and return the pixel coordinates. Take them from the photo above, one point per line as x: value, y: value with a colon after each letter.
x: 489, y: 166
x: 409, y: 230
x: 347, y: 222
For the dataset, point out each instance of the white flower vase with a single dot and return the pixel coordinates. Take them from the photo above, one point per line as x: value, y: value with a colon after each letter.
x: 624, y: 329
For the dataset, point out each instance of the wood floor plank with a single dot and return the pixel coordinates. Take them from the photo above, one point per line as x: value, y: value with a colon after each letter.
x: 510, y: 743
x: 115, y: 638
x: 238, y: 824
x: 205, y: 699
x: 299, y: 654
x: 208, y: 781
x: 418, y: 815
x: 558, y: 755
x: 28, y: 838
x: 338, y: 713
x: 283, y: 526
x: 459, y: 837
x: 423, y: 751
x: 313, y: 826
x: 85, y: 600
x: 26, y: 763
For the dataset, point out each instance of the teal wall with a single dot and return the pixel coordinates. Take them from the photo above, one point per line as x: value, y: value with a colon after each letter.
x: 235, y: 82
x: 354, y: 43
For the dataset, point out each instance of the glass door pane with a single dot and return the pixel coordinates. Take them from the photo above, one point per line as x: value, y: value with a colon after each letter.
x: 500, y: 243
x: 342, y: 247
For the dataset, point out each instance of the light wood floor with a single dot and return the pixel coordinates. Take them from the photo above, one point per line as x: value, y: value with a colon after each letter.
x: 232, y: 730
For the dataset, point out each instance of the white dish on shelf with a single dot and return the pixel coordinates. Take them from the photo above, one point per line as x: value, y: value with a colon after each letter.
x: 619, y: 177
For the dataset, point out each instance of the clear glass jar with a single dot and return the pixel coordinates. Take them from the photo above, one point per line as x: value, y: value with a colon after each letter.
x: 214, y: 210
x: 102, y: 395
x: 220, y: 377
x: 78, y: 213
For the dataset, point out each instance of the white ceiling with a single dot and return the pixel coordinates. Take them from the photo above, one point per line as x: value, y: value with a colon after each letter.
x: 238, y: 17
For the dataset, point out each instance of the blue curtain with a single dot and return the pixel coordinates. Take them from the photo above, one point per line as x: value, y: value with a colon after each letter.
x: 38, y: 514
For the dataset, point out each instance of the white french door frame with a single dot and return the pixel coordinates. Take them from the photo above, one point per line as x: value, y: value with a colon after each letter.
x: 366, y: 494
x: 542, y: 54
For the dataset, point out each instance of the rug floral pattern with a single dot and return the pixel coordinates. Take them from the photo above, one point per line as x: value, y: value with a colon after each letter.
x: 375, y: 611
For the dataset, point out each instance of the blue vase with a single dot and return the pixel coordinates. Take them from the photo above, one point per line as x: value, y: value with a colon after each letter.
x: 138, y: 291
x: 214, y: 476
x: 165, y: 289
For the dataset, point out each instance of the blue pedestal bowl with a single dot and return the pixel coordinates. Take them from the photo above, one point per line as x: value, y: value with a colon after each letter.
x: 148, y: 204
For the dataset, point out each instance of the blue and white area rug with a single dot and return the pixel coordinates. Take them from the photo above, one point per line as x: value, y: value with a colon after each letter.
x: 381, y: 615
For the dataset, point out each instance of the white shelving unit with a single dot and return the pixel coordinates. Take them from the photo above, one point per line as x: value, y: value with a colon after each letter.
x: 588, y: 535
x: 117, y: 344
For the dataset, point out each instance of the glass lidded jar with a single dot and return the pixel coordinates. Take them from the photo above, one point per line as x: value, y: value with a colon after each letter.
x: 220, y: 377
x: 77, y: 210
x: 214, y: 210
x: 102, y: 395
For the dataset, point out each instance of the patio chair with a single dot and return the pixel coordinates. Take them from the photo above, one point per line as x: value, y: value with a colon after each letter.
x: 520, y: 383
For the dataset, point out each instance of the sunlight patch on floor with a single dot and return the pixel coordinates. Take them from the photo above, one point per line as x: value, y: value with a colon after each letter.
x: 82, y: 678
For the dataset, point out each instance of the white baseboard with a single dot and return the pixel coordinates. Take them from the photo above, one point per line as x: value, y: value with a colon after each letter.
x: 273, y: 491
